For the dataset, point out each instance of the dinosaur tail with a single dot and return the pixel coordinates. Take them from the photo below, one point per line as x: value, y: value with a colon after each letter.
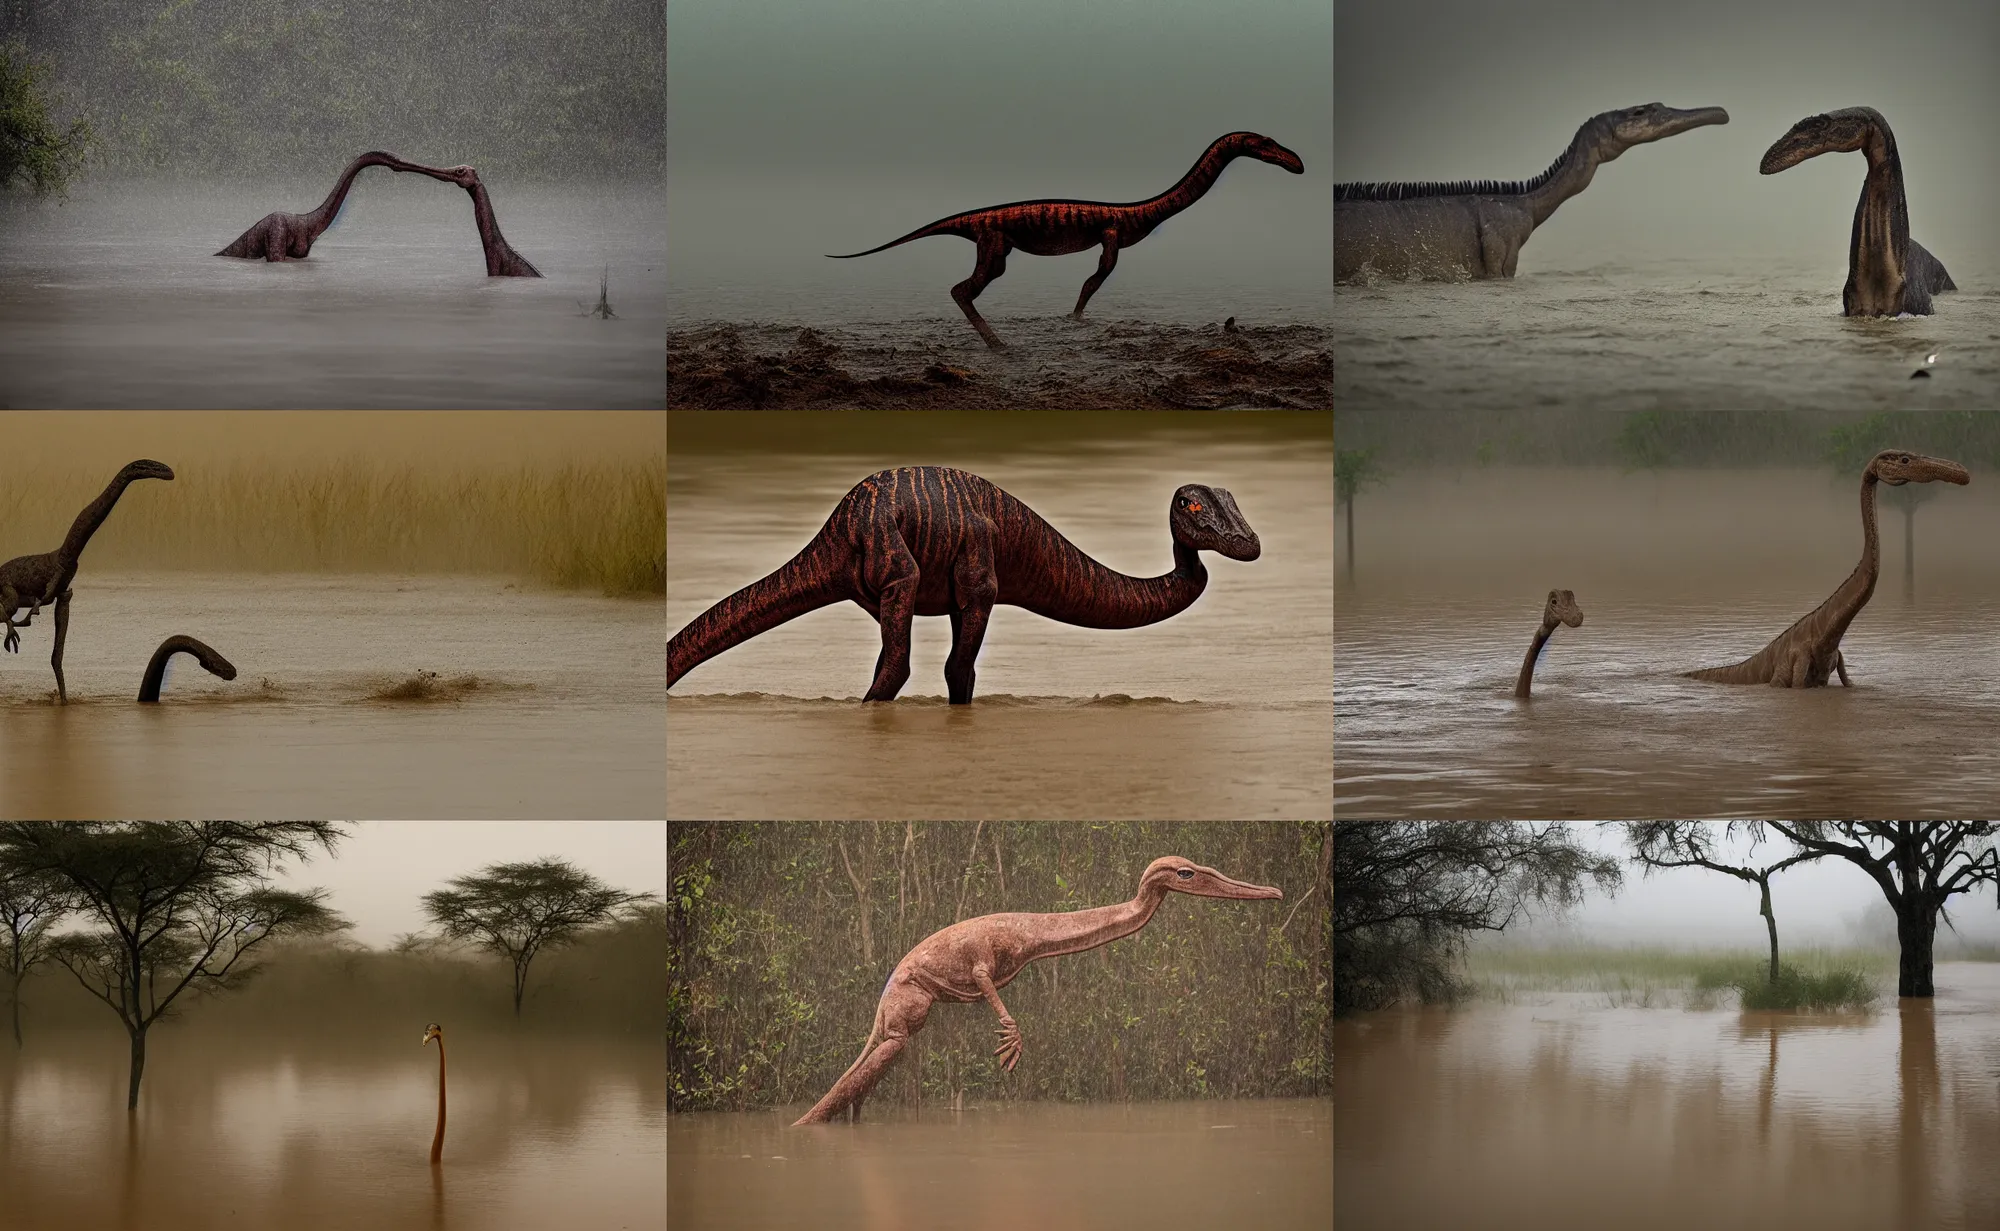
x: 943, y: 226
x: 806, y: 582
x: 834, y: 1101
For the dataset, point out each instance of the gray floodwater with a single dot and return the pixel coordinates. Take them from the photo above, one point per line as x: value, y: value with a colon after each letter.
x: 264, y: 1131
x: 1265, y: 1163
x: 547, y: 704
x: 1222, y: 711
x: 1673, y: 570
x: 1563, y: 1111
x: 115, y: 299
x: 1662, y: 335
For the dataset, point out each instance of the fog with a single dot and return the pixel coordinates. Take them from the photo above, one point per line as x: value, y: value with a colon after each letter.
x: 799, y: 130
x: 1449, y: 89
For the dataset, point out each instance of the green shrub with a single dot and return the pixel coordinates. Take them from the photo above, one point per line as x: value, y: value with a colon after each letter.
x: 1797, y: 989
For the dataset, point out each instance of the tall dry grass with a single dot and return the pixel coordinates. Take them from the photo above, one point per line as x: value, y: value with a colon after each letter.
x: 575, y: 526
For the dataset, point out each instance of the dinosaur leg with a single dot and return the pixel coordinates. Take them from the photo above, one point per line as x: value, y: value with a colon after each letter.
x: 1840, y: 665
x: 992, y: 263
x: 901, y: 1014
x: 1106, y: 262
x: 8, y: 602
x: 62, y: 632
x: 974, y: 589
x: 896, y: 591
x: 1009, y: 1050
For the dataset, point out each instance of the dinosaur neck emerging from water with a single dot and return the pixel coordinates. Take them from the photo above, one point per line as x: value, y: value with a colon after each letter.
x: 501, y: 259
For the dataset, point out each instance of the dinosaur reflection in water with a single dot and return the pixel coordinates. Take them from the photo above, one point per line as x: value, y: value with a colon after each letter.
x: 974, y: 959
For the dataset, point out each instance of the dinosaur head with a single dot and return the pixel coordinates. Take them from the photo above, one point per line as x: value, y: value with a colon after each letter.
x: 434, y: 1031
x: 146, y: 469
x: 1632, y: 126
x: 1206, y: 519
x: 1832, y: 132
x: 1899, y: 466
x: 462, y: 175
x: 1562, y: 609
x: 1263, y: 149
x: 1186, y: 876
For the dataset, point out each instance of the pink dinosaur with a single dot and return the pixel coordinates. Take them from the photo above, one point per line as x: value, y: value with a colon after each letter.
x: 974, y: 959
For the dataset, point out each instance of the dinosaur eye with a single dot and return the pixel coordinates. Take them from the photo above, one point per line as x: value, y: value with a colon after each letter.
x: 1184, y: 873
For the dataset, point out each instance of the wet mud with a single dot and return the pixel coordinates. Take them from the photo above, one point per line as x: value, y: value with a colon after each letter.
x: 1051, y: 365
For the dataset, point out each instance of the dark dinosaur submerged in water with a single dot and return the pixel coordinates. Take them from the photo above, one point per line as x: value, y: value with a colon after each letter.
x: 180, y: 643
x: 1888, y: 272
x: 1060, y: 227
x: 1464, y: 229
x: 289, y: 237
x: 932, y: 541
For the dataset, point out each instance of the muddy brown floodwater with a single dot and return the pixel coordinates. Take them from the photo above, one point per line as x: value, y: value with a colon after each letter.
x: 1223, y: 711
x: 546, y: 703
x: 1673, y: 570
x: 1263, y: 1163
x: 250, y: 1133
x: 1558, y: 1112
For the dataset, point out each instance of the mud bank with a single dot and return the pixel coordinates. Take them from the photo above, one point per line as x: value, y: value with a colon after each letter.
x: 1049, y: 365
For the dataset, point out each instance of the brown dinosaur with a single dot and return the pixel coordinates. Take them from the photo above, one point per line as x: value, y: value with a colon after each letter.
x: 289, y: 237
x: 1560, y: 609
x: 1807, y: 653
x: 974, y: 959
x: 33, y: 580
x: 1060, y: 227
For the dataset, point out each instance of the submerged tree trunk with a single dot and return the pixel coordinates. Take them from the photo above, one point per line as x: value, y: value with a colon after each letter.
x: 1909, y: 554
x: 1916, y: 932
x: 138, y: 1068
x: 1770, y: 922
x: 14, y: 1000
x: 1350, y: 538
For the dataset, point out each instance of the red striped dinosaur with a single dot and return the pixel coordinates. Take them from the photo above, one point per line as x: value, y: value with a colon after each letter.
x: 974, y: 959
x: 1060, y: 227
x: 931, y: 541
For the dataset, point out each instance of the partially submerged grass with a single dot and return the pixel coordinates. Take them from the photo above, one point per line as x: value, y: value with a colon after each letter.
x: 1642, y: 976
x: 1825, y: 991
x: 601, y: 527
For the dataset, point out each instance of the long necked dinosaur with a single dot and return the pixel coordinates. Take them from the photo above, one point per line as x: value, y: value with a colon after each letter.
x: 1887, y: 271
x: 974, y: 959
x: 931, y: 541
x: 289, y: 237
x: 1808, y: 653
x: 1462, y: 229
x: 34, y: 580
x: 1060, y: 227
x: 1560, y: 609
x: 179, y: 643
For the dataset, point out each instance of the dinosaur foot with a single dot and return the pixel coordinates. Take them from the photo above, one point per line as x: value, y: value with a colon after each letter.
x: 1009, y: 1050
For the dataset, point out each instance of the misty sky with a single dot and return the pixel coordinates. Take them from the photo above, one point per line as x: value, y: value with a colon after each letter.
x: 1460, y: 89
x: 384, y: 867
x: 1814, y: 902
x: 797, y: 130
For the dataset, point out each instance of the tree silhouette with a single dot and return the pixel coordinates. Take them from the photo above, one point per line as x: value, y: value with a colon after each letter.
x: 1691, y: 844
x: 517, y: 910
x: 1354, y: 471
x: 31, y: 902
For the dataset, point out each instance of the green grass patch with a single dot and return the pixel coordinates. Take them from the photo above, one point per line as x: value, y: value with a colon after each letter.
x: 1822, y: 991
x: 1638, y: 975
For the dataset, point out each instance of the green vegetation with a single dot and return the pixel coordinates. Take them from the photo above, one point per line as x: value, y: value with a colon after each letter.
x: 596, y: 527
x: 1354, y: 471
x: 1815, y: 978
x: 1795, y: 989
x: 34, y: 152
x: 299, y: 87
x: 783, y: 934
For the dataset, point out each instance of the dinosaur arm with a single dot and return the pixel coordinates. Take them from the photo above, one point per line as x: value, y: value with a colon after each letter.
x: 1010, y: 1034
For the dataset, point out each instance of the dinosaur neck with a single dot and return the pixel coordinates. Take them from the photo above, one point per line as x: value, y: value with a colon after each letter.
x: 320, y: 219
x: 90, y: 519
x: 1881, y: 236
x: 1855, y: 592
x: 1571, y: 174
x: 501, y: 259
x: 1067, y: 585
x: 1200, y: 178
x: 1076, y: 931
x: 1527, y: 677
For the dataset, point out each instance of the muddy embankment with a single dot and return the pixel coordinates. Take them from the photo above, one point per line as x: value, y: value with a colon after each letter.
x: 1048, y: 365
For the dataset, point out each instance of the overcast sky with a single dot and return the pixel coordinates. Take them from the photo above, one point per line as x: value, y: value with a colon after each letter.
x: 1816, y: 901
x: 384, y: 867
x: 1461, y: 89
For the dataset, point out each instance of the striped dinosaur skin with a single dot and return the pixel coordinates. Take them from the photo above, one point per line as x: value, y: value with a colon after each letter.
x: 1060, y: 227
x: 933, y: 541
x: 1807, y: 653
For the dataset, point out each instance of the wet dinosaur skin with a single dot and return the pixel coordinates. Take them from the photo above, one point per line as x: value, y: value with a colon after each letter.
x: 1888, y: 273
x: 974, y: 959
x: 1560, y: 609
x: 1808, y: 653
x: 1060, y: 227
x: 931, y: 541
x: 180, y: 643
x: 30, y: 581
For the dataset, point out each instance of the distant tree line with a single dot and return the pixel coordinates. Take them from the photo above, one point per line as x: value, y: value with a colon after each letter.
x: 297, y: 87
x: 781, y: 937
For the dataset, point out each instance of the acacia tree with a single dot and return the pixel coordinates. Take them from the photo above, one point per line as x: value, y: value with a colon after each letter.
x: 1354, y: 472
x: 182, y: 906
x: 31, y: 902
x: 1406, y: 894
x: 1691, y: 844
x: 517, y: 910
x: 1918, y: 865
